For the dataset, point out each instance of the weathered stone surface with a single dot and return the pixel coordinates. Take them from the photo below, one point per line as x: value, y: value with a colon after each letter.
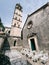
x: 40, y: 26
x: 16, y: 57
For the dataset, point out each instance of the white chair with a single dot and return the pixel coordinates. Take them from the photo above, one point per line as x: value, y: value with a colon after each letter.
x: 22, y: 51
x: 25, y: 51
x: 37, y: 56
x: 44, y: 58
x: 30, y: 54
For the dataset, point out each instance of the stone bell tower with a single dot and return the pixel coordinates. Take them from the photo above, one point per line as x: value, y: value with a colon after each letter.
x: 16, y: 21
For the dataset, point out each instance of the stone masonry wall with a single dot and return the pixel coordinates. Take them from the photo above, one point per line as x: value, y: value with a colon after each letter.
x: 40, y: 26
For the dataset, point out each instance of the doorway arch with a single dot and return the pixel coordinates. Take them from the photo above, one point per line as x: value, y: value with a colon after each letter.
x: 33, y: 44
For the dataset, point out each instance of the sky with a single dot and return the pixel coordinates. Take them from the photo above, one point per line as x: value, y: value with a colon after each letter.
x: 7, y: 9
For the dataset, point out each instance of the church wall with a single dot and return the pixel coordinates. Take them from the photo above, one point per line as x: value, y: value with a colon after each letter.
x: 8, y: 43
x: 40, y: 26
x: 7, y: 29
x: 15, y: 32
x: 17, y: 43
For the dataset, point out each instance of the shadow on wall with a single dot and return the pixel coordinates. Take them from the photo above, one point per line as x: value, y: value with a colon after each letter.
x: 4, y: 60
x: 5, y: 46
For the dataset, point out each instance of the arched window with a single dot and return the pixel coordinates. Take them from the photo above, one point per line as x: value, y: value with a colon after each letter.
x: 18, y: 26
x: 15, y: 18
x: 29, y: 25
x: 15, y: 43
x: 15, y: 25
x: 19, y: 19
x: 9, y: 31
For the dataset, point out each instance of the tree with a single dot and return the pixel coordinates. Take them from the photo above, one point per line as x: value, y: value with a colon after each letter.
x: 1, y: 25
x: 4, y: 60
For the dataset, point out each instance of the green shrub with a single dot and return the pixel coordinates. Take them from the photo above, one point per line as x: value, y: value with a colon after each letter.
x: 1, y: 25
x: 4, y: 60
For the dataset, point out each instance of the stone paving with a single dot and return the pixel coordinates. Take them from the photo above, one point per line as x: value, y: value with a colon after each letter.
x: 17, y: 58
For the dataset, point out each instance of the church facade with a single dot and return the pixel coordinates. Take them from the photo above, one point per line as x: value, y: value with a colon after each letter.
x: 36, y: 29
